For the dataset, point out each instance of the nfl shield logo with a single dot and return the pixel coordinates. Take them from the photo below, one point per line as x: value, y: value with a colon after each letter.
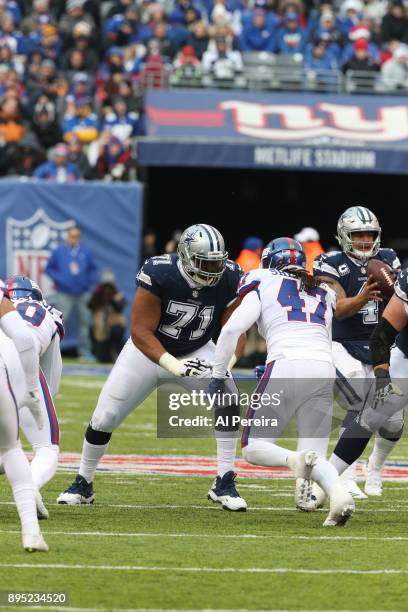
x: 29, y: 243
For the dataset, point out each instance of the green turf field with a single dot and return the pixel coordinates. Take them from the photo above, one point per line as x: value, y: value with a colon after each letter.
x: 155, y: 542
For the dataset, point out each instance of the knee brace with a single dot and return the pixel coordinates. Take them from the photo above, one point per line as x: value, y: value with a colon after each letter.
x: 227, y: 418
x: 97, y: 437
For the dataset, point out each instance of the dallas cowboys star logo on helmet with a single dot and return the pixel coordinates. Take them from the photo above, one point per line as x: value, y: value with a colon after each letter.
x: 189, y: 239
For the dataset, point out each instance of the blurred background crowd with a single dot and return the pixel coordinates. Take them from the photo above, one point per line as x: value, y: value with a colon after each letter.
x: 72, y: 72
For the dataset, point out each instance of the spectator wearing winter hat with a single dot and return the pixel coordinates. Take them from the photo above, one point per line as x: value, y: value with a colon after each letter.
x: 121, y: 123
x: 82, y: 40
x: 114, y: 63
x: 177, y: 15
x: 250, y: 256
x: 43, y: 81
x: 39, y: 14
x: 77, y: 156
x: 222, y: 63
x: 310, y: 241
x: 318, y: 59
x: 50, y: 44
x: 114, y: 162
x: 351, y: 15
x: 360, y: 33
x: 256, y: 36
x: 161, y: 34
x: 328, y: 31
x: 125, y: 29
x: 361, y: 60
x: 394, y: 25
x: 58, y: 168
x: 324, y: 6
x: 291, y: 37
x: 44, y: 123
x: 187, y: 66
x: 394, y: 73
x: 82, y: 122
x: 75, y: 13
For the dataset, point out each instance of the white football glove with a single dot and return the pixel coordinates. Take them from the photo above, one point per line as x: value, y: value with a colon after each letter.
x: 200, y: 368
x: 33, y: 403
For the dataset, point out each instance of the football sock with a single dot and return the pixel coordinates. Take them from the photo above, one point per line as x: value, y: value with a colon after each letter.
x: 18, y: 473
x: 265, y: 453
x: 325, y: 474
x: 226, y: 450
x: 382, y: 448
x: 91, y: 455
x: 44, y: 465
x: 349, y: 448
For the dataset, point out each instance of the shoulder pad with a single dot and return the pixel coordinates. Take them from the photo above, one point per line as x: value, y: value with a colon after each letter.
x: 327, y: 264
x: 233, y: 266
x: 152, y: 270
x: 390, y: 257
x: 401, y: 285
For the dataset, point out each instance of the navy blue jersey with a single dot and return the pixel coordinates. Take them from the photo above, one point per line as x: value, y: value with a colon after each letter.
x: 354, y: 332
x: 401, y: 289
x: 190, y: 315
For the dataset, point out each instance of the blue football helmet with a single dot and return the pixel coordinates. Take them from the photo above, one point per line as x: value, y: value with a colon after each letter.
x: 23, y: 287
x: 284, y: 253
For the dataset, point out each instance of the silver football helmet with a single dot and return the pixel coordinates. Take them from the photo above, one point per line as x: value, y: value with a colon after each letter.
x: 202, y: 254
x: 358, y: 219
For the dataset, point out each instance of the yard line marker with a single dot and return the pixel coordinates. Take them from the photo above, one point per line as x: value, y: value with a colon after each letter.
x: 216, y: 570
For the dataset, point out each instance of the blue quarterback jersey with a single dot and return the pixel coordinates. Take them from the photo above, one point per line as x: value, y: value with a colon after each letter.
x: 190, y: 315
x: 401, y: 289
x: 354, y: 332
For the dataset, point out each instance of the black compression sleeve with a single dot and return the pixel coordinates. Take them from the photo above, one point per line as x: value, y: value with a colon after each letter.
x: 381, y: 341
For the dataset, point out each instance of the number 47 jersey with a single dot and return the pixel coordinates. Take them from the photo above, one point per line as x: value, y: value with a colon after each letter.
x: 295, y: 324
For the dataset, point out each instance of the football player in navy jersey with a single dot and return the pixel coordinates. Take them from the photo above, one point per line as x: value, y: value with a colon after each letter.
x: 358, y: 310
x: 181, y: 300
x: 388, y: 398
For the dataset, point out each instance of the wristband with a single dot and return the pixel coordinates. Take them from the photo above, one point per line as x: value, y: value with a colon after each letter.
x: 171, y: 364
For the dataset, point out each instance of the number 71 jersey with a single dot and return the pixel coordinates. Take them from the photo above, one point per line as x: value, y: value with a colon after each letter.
x: 190, y: 315
x: 295, y: 324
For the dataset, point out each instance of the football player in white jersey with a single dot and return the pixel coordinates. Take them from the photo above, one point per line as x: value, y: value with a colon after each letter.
x: 19, y: 365
x: 294, y: 314
x: 46, y: 327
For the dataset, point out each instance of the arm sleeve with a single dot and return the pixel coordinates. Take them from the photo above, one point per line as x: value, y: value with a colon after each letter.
x: 381, y: 341
x: 15, y: 328
x: 241, y: 319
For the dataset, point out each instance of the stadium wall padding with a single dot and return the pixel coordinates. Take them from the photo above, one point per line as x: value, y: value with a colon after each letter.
x: 36, y: 214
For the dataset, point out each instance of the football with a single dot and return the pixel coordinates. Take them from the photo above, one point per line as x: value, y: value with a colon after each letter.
x: 383, y: 274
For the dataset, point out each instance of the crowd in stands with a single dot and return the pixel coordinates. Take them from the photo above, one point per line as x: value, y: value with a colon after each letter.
x: 72, y: 71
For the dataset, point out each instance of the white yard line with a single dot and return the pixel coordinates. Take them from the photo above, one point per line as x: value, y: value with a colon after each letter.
x: 242, y: 536
x: 215, y: 570
x: 216, y: 507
